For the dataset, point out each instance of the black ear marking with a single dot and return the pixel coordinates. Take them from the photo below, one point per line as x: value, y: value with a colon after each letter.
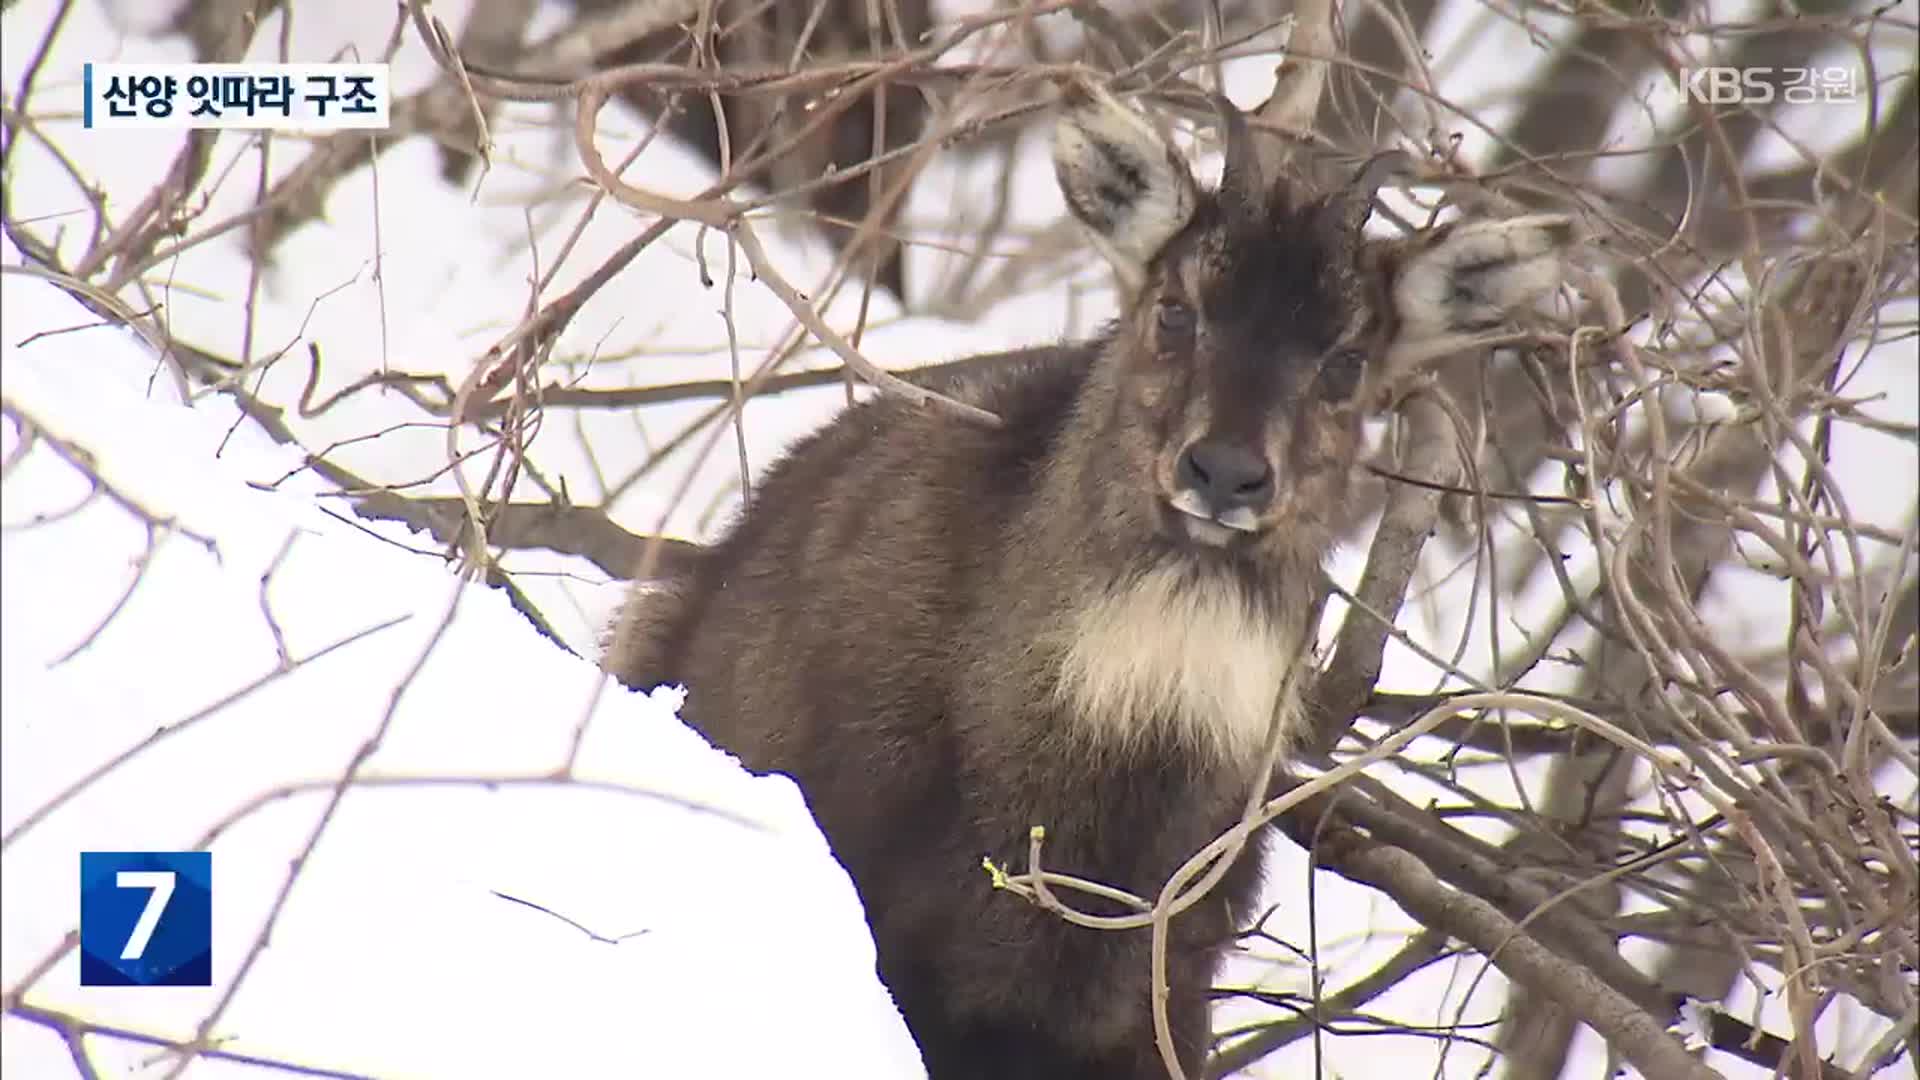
x: 1120, y: 179
x: 1469, y: 277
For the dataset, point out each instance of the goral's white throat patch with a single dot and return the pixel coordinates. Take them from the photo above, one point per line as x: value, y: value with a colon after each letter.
x: 1171, y: 649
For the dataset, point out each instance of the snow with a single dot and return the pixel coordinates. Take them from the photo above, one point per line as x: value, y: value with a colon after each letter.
x: 392, y: 956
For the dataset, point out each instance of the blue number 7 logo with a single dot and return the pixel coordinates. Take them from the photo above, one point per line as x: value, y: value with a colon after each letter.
x: 146, y: 918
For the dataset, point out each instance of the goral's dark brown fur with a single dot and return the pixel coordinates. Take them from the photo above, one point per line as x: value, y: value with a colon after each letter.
x: 870, y: 629
x: 948, y: 634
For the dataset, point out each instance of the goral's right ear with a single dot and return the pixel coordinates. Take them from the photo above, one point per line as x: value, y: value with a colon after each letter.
x: 1123, y: 181
x: 1455, y: 282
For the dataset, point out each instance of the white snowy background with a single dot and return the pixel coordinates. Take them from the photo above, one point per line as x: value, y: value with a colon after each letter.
x: 741, y: 946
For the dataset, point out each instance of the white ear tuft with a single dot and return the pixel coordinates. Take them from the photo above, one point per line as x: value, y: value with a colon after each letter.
x: 1120, y: 178
x: 1467, y: 278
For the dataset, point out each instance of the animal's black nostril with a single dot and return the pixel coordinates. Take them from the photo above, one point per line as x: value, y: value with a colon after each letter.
x: 1226, y: 475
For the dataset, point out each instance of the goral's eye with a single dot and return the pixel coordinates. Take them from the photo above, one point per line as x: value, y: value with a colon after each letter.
x: 1340, y: 374
x: 1174, y: 317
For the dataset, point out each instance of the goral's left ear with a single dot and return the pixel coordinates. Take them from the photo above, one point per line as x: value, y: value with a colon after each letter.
x: 1124, y: 182
x: 1460, y: 280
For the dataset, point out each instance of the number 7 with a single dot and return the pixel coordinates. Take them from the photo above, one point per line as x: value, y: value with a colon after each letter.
x: 161, y: 882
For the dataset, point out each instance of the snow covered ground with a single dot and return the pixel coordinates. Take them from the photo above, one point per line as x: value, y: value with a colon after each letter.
x: 736, y: 943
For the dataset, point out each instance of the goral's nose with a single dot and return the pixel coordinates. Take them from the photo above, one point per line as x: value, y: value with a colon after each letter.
x: 1226, y: 475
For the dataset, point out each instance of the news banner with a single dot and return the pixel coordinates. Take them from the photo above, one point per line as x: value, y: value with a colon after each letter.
x: 312, y: 97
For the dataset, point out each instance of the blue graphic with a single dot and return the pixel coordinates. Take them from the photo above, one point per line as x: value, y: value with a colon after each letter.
x: 146, y: 918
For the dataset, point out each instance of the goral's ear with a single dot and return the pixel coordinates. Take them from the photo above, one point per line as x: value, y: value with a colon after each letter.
x: 1462, y: 279
x: 1123, y: 181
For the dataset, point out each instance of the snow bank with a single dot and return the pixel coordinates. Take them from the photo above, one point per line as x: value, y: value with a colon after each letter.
x: 737, y: 946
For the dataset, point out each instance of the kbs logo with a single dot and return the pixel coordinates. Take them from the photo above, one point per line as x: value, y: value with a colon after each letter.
x: 146, y: 918
x: 1761, y: 85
